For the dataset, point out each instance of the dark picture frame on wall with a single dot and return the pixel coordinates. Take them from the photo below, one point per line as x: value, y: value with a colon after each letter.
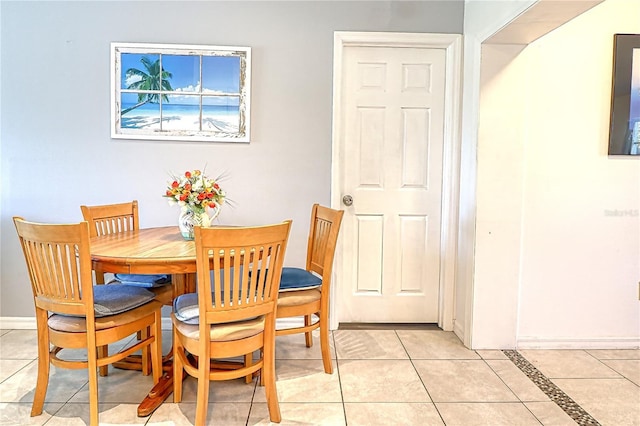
x: 180, y: 92
x: 624, y: 131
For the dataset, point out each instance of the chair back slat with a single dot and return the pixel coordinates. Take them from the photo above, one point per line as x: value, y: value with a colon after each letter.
x: 323, y: 237
x: 111, y: 218
x: 113, y: 225
x: 59, y: 265
x: 239, y: 270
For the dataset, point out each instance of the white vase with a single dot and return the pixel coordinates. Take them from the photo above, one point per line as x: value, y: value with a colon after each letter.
x: 189, y: 218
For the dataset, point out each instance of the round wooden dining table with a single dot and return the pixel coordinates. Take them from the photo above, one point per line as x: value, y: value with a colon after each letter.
x: 160, y: 250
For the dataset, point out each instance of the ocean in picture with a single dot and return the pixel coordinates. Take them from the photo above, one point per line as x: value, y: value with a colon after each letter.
x: 215, y: 118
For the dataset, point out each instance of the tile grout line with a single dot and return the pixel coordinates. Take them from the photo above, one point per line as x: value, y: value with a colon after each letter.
x: 420, y: 378
x: 557, y: 395
x: 337, y: 371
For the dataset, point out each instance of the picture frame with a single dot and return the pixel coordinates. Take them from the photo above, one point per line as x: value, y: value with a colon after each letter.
x: 624, y: 131
x: 180, y: 92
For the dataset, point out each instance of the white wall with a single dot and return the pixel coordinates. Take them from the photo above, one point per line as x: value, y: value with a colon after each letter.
x: 481, y: 20
x: 56, y: 152
x: 580, y: 263
x: 553, y: 268
x: 503, y: 105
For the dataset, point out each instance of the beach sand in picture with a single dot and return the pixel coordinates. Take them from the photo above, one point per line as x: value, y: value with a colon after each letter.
x: 215, y: 123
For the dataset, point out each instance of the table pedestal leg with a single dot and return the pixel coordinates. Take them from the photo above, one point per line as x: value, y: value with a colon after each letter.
x: 182, y: 283
x: 157, y: 394
x: 161, y: 390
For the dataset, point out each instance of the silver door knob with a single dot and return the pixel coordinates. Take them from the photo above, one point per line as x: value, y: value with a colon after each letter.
x: 347, y: 200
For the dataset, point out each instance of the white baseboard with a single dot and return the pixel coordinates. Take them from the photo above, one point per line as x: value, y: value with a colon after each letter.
x: 458, y: 330
x: 570, y: 343
x: 18, y: 323
x: 29, y: 323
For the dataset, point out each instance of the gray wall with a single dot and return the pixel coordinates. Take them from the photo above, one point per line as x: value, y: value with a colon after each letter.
x: 56, y: 152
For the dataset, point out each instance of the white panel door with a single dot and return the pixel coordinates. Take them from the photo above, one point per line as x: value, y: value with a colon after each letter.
x: 392, y: 115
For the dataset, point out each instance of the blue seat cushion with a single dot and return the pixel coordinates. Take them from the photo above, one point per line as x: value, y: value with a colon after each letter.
x: 185, y: 308
x: 298, y: 279
x: 115, y: 299
x: 143, y: 280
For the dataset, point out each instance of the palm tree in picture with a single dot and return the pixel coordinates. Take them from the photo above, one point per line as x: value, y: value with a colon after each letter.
x: 155, y: 78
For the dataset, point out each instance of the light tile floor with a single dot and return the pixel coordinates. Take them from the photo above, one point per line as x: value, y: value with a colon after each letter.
x: 381, y: 377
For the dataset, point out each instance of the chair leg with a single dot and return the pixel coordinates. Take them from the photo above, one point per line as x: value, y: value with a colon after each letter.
x: 93, y: 386
x: 324, y: 344
x: 178, y: 350
x: 248, y: 361
x: 269, y: 374
x: 144, y: 334
x: 103, y: 352
x: 262, y: 371
x: 156, y: 348
x: 41, y: 386
x: 202, y: 397
x: 308, y: 337
x: 43, y: 364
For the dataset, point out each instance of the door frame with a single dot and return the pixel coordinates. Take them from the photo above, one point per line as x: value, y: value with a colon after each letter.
x: 452, y: 44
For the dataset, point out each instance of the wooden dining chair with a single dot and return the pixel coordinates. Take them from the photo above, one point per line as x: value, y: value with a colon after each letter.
x: 305, y: 292
x: 110, y: 219
x: 73, y: 314
x: 233, y: 312
x: 116, y: 218
x: 113, y: 219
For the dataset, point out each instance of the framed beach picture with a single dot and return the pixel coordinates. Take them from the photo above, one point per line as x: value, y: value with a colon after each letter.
x: 180, y: 92
x: 624, y: 132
